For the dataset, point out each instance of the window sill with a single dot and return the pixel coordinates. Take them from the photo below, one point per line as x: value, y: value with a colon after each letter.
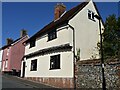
x: 33, y: 70
x: 54, y: 68
x: 51, y: 39
x: 31, y: 47
x: 92, y: 20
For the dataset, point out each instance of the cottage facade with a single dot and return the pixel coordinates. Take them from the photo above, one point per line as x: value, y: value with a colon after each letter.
x: 1, y: 52
x: 51, y: 53
x: 13, y: 54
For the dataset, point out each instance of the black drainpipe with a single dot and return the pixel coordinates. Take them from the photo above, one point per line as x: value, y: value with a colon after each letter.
x: 74, y: 61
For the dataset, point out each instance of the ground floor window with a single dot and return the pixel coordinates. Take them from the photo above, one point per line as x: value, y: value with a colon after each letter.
x: 6, y: 63
x: 55, y: 62
x: 34, y: 65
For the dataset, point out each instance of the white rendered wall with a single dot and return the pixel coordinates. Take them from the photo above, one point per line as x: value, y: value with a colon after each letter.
x: 43, y: 66
x: 86, y: 33
x: 42, y: 42
x: 43, y: 62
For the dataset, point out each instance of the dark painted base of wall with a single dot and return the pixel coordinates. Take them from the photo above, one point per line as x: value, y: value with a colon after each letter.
x: 7, y: 72
x: 11, y: 73
x: 55, y: 82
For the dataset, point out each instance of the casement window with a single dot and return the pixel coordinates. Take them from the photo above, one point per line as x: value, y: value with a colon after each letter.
x: 52, y: 35
x: 32, y: 43
x: 8, y: 51
x: 6, y: 63
x: 55, y: 62
x: 3, y: 65
x: 91, y: 15
x: 34, y: 65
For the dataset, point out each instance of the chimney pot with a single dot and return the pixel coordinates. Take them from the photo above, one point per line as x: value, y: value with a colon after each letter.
x: 9, y: 41
x: 59, y: 10
x: 23, y: 33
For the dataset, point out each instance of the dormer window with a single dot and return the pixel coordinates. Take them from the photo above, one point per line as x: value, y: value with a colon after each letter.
x: 91, y: 15
x: 52, y: 35
x: 32, y: 43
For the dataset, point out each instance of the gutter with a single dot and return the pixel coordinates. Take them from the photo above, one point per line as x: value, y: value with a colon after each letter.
x: 20, y: 40
x: 74, y: 61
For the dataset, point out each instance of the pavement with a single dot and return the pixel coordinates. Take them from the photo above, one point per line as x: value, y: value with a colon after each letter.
x: 13, y: 82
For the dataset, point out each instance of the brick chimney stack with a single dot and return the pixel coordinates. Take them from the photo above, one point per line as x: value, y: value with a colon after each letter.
x: 9, y: 41
x: 23, y: 32
x: 59, y: 10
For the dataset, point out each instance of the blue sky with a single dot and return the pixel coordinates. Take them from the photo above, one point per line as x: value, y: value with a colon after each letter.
x: 34, y: 16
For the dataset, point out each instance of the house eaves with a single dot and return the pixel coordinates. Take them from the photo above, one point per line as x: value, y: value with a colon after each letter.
x: 14, y: 42
x: 62, y: 20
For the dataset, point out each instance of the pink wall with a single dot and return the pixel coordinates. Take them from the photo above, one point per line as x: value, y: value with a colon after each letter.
x: 4, y: 57
x: 16, y: 53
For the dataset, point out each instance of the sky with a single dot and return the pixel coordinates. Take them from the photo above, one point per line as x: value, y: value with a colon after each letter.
x: 33, y: 16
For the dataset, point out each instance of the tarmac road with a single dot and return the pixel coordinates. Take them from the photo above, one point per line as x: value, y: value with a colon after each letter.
x: 12, y: 82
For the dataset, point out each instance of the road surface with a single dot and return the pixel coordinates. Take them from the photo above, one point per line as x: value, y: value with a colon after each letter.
x: 10, y: 82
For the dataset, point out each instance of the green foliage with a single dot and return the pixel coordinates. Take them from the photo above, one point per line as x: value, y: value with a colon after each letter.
x: 78, y: 54
x: 111, y: 37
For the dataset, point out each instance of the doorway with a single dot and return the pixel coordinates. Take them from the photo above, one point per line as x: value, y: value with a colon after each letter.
x: 23, y: 72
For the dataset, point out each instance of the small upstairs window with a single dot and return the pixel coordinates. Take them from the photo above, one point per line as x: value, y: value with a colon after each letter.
x: 32, y: 43
x: 8, y: 50
x: 52, y: 35
x: 55, y: 62
x: 91, y: 15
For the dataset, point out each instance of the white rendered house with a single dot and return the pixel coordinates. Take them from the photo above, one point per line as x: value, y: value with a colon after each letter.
x: 50, y: 54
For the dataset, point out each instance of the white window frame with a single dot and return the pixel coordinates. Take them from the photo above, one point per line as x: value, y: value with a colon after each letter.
x: 6, y: 63
x: 8, y: 50
x: 91, y: 13
x: 55, y: 62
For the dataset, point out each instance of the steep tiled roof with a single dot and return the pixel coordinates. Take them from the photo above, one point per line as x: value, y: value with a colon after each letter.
x: 64, y: 19
x: 12, y: 43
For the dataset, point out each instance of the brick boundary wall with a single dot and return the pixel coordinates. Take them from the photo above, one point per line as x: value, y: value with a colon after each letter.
x: 55, y: 82
x: 89, y: 74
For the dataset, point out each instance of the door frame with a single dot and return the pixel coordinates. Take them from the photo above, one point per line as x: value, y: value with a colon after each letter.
x: 23, y: 69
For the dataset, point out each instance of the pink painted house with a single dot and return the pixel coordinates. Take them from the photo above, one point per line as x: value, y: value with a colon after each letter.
x: 13, y: 54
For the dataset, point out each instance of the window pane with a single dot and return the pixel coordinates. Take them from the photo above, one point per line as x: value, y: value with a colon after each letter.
x: 32, y: 43
x: 58, y: 61
x: 8, y: 51
x: 6, y: 63
x: 55, y: 62
x: 33, y: 65
x: 89, y: 15
x: 52, y: 35
x: 93, y: 16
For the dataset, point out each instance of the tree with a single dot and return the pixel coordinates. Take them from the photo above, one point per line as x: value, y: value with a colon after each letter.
x: 111, y: 37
